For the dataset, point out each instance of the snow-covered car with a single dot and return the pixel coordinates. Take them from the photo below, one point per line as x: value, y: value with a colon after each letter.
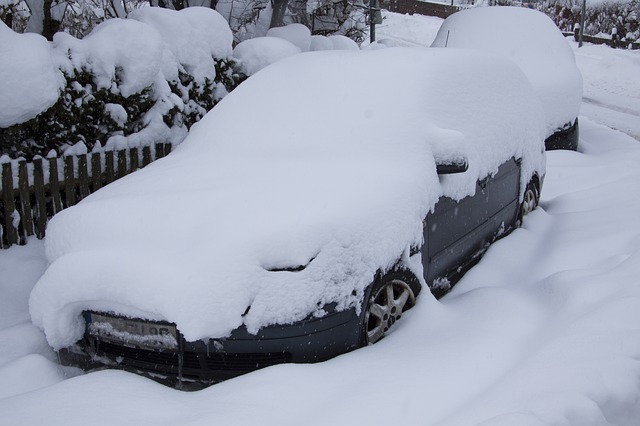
x: 300, y: 218
x: 531, y: 40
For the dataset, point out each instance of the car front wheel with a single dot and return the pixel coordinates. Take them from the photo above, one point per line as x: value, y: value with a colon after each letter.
x: 391, y: 295
x: 529, y: 200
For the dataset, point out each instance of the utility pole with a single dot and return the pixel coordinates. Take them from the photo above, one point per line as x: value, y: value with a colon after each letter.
x: 375, y: 17
x: 372, y: 23
x: 584, y: 9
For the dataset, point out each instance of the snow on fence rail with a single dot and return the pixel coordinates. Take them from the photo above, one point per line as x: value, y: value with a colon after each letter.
x: 32, y: 192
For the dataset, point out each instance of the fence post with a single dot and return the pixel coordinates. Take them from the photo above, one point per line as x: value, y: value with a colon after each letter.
x: 9, y: 204
x: 25, y: 210
x: 83, y: 176
x: 133, y: 159
x: 159, y: 150
x: 54, y: 185
x: 96, y: 171
x: 69, y: 181
x: 122, y: 163
x: 25, y: 199
x: 109, y: 169
x: 146, y: 156
x: 41, y: 201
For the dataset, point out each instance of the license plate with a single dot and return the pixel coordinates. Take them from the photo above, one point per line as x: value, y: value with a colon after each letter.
x: 132, y: 332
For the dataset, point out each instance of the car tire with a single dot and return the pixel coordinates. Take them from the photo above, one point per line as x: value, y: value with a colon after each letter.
x: 529, y: 201
x: 390, y: 296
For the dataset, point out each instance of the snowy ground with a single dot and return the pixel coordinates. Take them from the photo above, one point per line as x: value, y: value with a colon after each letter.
x: 611, y: 89
x: 545, y: 330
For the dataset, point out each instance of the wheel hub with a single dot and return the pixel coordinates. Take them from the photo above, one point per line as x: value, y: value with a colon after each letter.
x: 385, y: 308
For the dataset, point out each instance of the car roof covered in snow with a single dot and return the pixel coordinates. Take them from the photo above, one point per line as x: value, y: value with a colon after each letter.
x: 531, y: 40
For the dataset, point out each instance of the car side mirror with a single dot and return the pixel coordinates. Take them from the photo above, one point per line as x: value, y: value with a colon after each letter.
x: 449, y: 151
x: 449, y: 168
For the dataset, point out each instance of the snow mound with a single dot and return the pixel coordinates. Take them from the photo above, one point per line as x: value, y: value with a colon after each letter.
x: 282, y: 42
x: 128, y: 55
x: 118, y: 49
x: 296, y: 34
x: 341, y: 42
x: 256, y: 53
x: 531, y: 40
x: 192, y: 37
x: 41, y: 373
x: 29, y: 80
x: 320, y: 42
x: 326, y: 173
x: 334, y: 42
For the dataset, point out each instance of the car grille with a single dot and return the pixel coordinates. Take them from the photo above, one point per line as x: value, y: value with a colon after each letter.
x: 193, y: 363
x: 134, y: 355
x: 245, y: 362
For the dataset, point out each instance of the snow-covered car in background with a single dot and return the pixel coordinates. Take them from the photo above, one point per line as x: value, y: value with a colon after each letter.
x: 531, y: 40
x: 300, y: 218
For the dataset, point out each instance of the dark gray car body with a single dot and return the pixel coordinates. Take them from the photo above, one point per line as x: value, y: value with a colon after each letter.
x: 456, y: 234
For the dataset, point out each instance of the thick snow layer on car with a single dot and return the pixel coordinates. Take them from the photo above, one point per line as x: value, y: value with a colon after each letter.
x: 332, y: 169
x: 531, y: 40
x: 29, y: 80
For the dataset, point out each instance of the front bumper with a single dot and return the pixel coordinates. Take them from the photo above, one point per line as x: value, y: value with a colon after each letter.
x: 197, y: 364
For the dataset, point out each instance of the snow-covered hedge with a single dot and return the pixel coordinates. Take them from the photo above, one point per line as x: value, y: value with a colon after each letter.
x: 600, y: 18
x: 281, y: 42
x: 131, y: 82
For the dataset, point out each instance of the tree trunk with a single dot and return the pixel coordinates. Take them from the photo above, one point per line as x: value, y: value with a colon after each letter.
x: 49, y: 25
x: 279, y: 9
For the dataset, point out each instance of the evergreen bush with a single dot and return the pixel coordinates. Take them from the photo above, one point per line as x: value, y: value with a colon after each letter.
x: 92, y: 115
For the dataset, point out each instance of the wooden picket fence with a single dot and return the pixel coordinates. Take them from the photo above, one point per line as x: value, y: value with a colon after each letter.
x: 32, y: 192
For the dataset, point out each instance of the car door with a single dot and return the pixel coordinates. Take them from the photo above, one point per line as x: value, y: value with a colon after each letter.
x: 449, y: 234
x: 457, y: 232
x: 503, y: 190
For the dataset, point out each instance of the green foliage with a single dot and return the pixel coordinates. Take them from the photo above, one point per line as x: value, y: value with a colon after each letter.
x: 199, y: 99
